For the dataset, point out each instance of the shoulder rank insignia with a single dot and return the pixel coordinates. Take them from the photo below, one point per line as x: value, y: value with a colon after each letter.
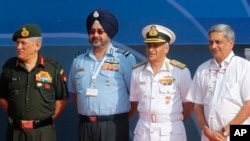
x: 51, y: 60
x: 178, y: 64
x: 124, y: 52
x: 140, y: 64
x: 84, y: 51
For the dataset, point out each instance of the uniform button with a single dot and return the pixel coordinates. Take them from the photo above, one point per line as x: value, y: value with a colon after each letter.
x: 152, y: 131
x: 27, y: 99
x: 152, y: 98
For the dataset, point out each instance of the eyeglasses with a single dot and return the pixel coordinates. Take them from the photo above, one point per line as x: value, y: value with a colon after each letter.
x: 98, y: 31
x: 222, y: 71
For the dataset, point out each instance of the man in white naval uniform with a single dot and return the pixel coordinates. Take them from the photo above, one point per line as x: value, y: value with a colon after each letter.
x: 158, y: 90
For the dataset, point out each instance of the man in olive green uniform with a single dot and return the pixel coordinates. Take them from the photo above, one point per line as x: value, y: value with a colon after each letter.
x: 33, y: 89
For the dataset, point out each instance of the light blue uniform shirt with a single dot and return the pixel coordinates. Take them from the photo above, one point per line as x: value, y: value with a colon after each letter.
x: 112, y: 81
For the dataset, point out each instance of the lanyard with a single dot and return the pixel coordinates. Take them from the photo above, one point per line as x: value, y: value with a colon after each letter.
x: 94, y: 74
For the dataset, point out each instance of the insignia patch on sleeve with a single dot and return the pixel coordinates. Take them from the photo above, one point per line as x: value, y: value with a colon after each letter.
x: 63, y: 75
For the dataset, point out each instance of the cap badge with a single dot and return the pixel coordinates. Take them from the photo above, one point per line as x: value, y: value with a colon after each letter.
x: 153, y: 31
x: 25, y: 32
x: 95, y: 14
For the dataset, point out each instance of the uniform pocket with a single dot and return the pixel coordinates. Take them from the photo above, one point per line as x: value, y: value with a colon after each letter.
x: 174, y: 132
x: 166, y: 89
x: 140, y: 133
x: 232, y: 93
x: 171, y: 130
x: 46, y: 90
x: 13, y: 89
x: 111, y: 74
x: 79, y: 76
x: 81, y: 81
x: 112, y: 78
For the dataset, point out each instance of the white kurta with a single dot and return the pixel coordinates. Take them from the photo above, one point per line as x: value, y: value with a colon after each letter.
x: 160, y: 100
x: 222, y: 91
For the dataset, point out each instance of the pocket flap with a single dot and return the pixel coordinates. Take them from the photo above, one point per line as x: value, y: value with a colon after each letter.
x: 170, y: 130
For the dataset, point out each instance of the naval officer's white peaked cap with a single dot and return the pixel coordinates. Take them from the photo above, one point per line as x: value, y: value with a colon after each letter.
x: 158, y: 34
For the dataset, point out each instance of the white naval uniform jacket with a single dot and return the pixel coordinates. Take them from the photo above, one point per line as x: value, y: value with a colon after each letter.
x: 160, y: 100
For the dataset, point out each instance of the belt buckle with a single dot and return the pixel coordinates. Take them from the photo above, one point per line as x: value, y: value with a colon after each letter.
x: 93, y: 119
x: 153, y: 118
x: 27, y: 124
x: 36, y: 123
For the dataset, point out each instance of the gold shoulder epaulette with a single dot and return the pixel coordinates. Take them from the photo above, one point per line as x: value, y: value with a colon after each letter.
x: 140, y: 64
x: 177, y: 64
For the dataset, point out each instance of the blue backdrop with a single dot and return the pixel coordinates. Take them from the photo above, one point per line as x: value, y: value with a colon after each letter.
x: 189, y: 19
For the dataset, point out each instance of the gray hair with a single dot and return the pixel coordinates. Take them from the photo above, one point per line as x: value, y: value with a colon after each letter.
x: 37, y: 38
x: 225, y: 29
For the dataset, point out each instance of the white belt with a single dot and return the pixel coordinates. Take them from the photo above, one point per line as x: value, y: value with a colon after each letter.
x: 161, y: 118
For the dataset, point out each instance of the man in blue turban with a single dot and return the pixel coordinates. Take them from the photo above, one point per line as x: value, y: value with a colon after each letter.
x: 99, y: 81
x: 106, y: 19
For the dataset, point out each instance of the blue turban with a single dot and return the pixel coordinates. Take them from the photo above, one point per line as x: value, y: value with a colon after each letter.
x: 107, y: 20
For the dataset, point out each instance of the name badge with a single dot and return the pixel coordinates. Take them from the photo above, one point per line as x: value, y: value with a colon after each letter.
x: 92, y: 92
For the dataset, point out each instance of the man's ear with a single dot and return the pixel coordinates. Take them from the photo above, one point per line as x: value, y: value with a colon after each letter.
x: 38, y: 44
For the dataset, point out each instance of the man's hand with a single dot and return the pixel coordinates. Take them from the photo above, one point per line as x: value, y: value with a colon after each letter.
x: 214, y: 135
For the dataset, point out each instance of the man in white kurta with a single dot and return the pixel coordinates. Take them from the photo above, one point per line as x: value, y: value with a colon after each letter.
x: 221, y: 88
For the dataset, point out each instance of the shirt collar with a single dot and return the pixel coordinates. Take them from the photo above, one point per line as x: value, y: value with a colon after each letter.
x: 164, y: 66
x: 109, y: 52
x: 225, y: 62
x: 40, y: 61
